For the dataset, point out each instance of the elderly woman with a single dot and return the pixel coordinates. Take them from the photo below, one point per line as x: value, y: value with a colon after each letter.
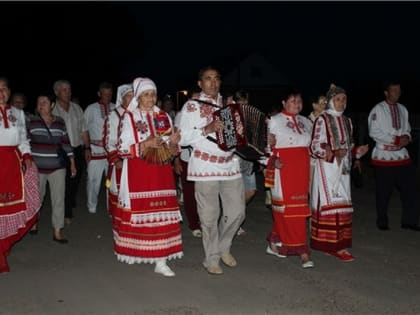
x: 17, y: 215
x: 149, y: 229
x: 48, y: 135
x: 332, y: 145
x: 125, y: 94
x: 288, y: 176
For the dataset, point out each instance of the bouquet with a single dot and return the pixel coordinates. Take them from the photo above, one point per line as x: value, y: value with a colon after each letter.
x: 162, y: 155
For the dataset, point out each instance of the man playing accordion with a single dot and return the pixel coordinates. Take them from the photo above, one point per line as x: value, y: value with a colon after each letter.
x: 216, y: 173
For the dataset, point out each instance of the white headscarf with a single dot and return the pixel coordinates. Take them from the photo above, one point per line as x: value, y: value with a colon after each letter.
x: 140, y: 85
x: 121, y: 92
x: 333, y: 91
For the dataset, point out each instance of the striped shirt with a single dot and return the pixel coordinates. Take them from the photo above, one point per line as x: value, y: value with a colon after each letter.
x: 44, y: 147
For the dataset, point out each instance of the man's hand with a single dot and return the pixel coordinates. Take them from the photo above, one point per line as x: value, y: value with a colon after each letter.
x: 362, y: 150
x: 88, y: 155
x: 357, y: 165
x: 214, y: 126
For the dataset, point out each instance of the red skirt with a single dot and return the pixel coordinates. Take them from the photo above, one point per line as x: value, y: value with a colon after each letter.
x: 290, y: 223
x: 149, y: 229
x: 331, y: 233
x: 19, y: 198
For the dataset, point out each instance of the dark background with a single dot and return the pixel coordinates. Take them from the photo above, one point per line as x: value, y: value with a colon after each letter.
x: 357, y: 45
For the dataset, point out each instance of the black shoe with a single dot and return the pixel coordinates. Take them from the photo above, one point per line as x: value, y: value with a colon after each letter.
x: 60, y: 240
x: 33, y: 232
x: 382, y: 227
x: 412, y: 227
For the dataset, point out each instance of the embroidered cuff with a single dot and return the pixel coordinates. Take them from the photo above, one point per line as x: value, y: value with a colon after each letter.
x: 397, y: 140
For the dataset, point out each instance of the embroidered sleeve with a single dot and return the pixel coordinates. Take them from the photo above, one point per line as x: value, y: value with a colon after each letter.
x: 405, y: 124
x: 191, y: 124
x: 24, y: 146
x: 111, y: 126
x: 319, y: 138
x: 127, y: 146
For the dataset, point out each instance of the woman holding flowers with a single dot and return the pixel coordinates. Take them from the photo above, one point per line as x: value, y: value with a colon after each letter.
x: 148, y: 211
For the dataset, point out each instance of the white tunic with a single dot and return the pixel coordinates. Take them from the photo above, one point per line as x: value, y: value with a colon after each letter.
x: 113, y: 123
x: 290, y: 131
x: 15, y: 134
x: 387, y: 123
x: 95, y: 115
x: 207, y: 161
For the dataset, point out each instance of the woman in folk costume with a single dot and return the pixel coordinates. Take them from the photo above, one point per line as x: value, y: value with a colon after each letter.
x: 149, y: 229
x: 287, y: 174
x: 332, y: 145
x: 125, y: 94
x: 19, y: 194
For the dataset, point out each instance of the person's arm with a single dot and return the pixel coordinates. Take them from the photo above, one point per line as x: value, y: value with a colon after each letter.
x: 319, y: 146
x: 84, y: 122
x: 86, y: 145
x: 23, y: 141
x: 193, y: 127
x: 111, y: 139
x: 405, y: 137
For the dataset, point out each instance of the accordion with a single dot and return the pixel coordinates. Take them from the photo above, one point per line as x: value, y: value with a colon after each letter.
x: 244, y: 131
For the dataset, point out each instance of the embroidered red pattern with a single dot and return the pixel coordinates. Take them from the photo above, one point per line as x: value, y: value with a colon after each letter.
x: 211, y: 158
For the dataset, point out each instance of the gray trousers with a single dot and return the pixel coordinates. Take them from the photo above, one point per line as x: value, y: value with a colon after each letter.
x: 57, y: 183
x: 218, y: 234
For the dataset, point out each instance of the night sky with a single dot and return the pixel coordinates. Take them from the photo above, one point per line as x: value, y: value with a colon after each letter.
x: 355, y: 44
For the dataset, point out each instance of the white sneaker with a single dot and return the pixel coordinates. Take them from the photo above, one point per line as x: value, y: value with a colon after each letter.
x: 92, y: 211
x: 197, y: 233
x: 308, y: 264
x: 272, y: 252
x: 162, y: 268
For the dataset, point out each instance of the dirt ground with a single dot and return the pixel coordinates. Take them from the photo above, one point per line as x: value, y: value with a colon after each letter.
x: 84, y: 276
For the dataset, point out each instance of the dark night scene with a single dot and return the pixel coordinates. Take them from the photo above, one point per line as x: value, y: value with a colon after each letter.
x: 209, y: 157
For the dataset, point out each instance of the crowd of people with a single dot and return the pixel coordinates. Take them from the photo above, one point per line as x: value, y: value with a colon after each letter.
x: 147, y: 155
